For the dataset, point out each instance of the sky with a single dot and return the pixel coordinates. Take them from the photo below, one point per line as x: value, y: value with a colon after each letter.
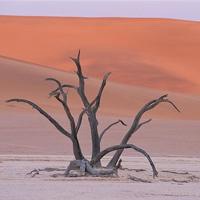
x: 178, y: 9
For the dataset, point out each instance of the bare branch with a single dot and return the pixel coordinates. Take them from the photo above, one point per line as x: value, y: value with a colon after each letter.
x: 152, y: 104
x: 76, y: 146
x: 55, y: 80
x: 60, y: 88
x: 136, y: 123
x: 80, y: 118
x: 125, y: 146
x: 85, y: 110
x: 97, y: 99
x: 64, y: 103
x: 68, y: 112
x: 170, y: 102
x: 44, y: 113
x: 108, y: 127
x: 143, y: 123
x: 81, y: 78
x: 54, y: 92
x: 161, y: 99
x: 77, y: 62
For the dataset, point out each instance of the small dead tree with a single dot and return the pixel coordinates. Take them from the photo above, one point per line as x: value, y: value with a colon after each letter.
x: 93, y: 166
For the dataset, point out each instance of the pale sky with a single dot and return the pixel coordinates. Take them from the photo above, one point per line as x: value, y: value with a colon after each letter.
x: 179, y: 9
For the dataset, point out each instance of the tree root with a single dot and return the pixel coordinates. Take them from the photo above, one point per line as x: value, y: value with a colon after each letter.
x: 173, y: 172
x: 83, y: 167
x: 136, y: 179
x: 35, y: 172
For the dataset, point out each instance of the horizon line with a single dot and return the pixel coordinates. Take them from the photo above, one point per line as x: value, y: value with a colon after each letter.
x: 100, y: 17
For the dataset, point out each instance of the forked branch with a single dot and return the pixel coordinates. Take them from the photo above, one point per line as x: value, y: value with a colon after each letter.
x: 81, y: 78
x: 149, y: 106
x: 136, y: 124
x: 78, y: 65
x: 80, y: 118
x: 161, y: 99
x: 97, y: 99
x: 60, y: 88
x: 110, y: 126
x: 63, y: 101
x: 54, y: 92
x: 143, y: 123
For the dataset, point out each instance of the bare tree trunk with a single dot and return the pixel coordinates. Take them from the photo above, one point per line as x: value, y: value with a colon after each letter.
x: 76, y: 149
x: 94, y: 134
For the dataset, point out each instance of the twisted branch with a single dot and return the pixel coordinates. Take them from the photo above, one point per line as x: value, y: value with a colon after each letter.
x: 54, y: 92
x: 60, y: 88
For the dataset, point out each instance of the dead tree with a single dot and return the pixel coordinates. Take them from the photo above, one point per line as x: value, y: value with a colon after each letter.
x: 90, y: 109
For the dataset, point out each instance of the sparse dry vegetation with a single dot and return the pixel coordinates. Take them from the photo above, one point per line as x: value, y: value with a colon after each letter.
x: 82, y: 166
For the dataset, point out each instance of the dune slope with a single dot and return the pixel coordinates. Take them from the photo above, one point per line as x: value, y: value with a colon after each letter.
x: 156, y: 53
x: 24, y: 80
x: 24, y: 131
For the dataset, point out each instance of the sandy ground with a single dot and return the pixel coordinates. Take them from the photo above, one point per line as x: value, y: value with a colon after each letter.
x: 30, y: 133
x: 179, y: 178
x: 24, y: 131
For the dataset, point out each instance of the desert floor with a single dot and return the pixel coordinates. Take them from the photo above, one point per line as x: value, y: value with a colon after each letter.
x: 179, y: 178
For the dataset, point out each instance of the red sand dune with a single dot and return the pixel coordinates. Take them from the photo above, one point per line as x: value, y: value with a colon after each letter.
x: 155, y: 53
x: 23, y: 80
x: 147, y: 57
x: 24, y: 131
